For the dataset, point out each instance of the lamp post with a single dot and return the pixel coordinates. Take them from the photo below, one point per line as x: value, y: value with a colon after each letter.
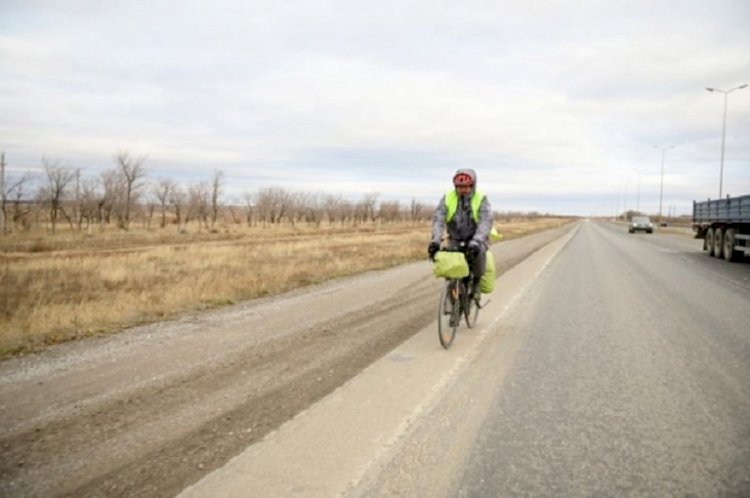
x: 661, y: 189
x: 724, y: 131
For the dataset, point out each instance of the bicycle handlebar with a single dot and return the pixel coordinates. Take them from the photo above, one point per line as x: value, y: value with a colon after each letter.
x: 464, y: 248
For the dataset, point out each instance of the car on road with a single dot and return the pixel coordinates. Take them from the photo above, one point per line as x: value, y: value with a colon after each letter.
x: 638, y: 223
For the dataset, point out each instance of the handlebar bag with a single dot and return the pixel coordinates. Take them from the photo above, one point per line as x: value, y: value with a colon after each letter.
x: 450, y: 264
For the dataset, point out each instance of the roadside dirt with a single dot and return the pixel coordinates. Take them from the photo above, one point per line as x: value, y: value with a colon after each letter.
x: 153, y: 409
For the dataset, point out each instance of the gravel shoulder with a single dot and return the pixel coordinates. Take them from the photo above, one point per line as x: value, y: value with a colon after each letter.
x: 151, y: 410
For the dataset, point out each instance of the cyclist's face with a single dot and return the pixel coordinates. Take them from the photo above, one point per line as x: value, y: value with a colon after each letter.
x: 463, y: 189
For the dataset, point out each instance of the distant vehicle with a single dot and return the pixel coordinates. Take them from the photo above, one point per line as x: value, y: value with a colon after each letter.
x: 640, y: 223
x: 724, y: 226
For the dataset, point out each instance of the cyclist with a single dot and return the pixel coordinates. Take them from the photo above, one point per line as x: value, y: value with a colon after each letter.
x: 466, y: 214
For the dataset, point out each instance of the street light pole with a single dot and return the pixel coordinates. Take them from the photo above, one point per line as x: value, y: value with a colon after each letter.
x: 661, y: 189
x: 724, y: 131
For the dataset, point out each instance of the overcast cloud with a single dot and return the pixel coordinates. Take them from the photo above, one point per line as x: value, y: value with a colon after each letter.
x: 557, y: 105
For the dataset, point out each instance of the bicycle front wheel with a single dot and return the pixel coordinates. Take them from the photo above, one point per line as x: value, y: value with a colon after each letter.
x: 448, y: 314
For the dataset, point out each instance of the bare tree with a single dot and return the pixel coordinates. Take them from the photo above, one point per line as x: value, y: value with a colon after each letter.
x: 178, y: 199
x: 418, y: 211
x: 198, y: 202
x: 16, y: 191
x: 364, y: 210
x: 331, y: 205
x: 250, y: 209
x: 389, y: 211
x: 233, y: 207
x: 162, y: 192
x: 311, y: 208
x: 58, y: 179
x: 14, y: 188
x: 133, y: 173
x: 78, y: 202
x: 216, y: 181
x: 150, y: 209
x: 89, y: 203
x: 347, y: 210
x: 108, y: 195
x: 295, y: 207
x: 272, y: 204
x: 11, y: 188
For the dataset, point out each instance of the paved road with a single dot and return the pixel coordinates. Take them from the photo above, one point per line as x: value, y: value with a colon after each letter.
x: 633, y: 378
x: 151, y: 410
x: 606, y: 364
x: 619, y: 369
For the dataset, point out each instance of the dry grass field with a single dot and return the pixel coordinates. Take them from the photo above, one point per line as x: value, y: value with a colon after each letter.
x: 54, y: 289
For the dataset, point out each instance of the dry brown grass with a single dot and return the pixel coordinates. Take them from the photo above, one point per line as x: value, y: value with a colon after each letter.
x: 54, y: 289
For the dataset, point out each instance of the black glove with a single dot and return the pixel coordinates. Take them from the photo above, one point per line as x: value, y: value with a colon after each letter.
x: 432, y: 249
x: 473, y: 249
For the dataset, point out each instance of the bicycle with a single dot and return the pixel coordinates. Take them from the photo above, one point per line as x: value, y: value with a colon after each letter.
x: 456, y: 301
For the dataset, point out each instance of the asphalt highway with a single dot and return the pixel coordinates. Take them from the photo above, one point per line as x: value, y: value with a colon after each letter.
x: 633, y: 379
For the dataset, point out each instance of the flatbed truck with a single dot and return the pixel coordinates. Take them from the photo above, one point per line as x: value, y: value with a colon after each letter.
x: 724, y: 226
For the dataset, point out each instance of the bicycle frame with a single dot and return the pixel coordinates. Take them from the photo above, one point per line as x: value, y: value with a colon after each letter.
x: 455, y: 302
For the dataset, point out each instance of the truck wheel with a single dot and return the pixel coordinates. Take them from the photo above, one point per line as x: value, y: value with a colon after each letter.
x: 709, y: 243
x: 729, y: 253
x: 718, y: 242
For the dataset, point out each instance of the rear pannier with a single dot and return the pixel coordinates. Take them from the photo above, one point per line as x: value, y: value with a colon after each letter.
x: 487, y: 282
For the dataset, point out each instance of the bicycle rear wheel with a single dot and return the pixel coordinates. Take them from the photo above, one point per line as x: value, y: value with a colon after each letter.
x: 471, y: 311
x: 448, y: 314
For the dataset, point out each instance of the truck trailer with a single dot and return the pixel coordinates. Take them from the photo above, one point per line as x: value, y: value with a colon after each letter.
x: 724, y: 226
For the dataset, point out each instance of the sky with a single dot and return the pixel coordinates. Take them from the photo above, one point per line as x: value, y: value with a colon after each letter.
x: 558, y: 105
